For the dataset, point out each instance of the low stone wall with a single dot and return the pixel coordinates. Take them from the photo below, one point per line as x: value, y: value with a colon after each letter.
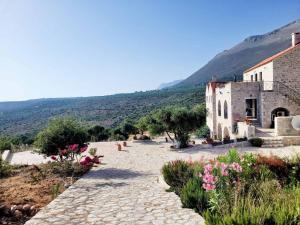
x: 283, y: 127
x: 245, y: 130
x: 292, y: 140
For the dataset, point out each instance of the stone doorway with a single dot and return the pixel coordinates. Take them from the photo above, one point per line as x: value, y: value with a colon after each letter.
x: 278, y: 112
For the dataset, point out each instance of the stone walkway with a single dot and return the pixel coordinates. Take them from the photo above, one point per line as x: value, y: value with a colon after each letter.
x: 125, y: 189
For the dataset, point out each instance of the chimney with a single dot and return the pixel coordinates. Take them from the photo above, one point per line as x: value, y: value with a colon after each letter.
x: 295, y: 39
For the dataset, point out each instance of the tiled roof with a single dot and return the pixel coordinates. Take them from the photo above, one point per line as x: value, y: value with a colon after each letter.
x: 270, y: 59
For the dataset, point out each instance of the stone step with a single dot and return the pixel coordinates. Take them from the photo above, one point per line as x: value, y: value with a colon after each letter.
x: 272, y: 145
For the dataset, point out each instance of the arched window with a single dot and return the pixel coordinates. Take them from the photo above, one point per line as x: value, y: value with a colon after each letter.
x: 219, y: 108
x: 225, y: 110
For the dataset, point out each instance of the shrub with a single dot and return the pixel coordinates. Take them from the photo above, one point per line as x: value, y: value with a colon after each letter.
x: 98, y: 133
x: 294, y: 168
x: 203, y: 132
x: 264, y: 204
x: 256, y: 142
x: 5, y: 144
x: 5, y: 168
x: 277, y: 165
x: 67, y: 169
x: 194, y: 197
x: 60, y: 133
x: 177, y: 174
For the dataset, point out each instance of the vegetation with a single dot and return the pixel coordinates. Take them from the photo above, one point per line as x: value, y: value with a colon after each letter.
x: 60, y: 133
x: 5, y: 168
x: 5, y: 144
x: 179, y: 121
x: 256, y: 142
x: 29, y: 117
x: 203, y: 132
x: 239, y: 189
x: 98, y: 133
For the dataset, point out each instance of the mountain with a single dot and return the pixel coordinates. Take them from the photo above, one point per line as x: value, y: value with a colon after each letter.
x: 244, y: 55
x: 28, y: 117
x: 169, y: 84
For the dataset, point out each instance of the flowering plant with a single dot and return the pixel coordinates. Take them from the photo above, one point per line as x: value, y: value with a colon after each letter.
x: 74, y: 153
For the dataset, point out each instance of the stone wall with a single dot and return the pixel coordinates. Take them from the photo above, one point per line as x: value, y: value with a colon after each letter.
x: 287, y: 68
x: 272, y: 100
x: 283, y: 127
x: 240, y: 92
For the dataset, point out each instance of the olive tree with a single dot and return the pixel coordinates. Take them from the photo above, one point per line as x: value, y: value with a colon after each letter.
x: 60, y: 133
x: 179, y: 121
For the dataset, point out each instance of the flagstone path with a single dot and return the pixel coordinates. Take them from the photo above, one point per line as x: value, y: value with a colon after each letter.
x: 125, y: 189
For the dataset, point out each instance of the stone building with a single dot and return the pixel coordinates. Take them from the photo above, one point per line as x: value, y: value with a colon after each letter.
x: 269, y: 89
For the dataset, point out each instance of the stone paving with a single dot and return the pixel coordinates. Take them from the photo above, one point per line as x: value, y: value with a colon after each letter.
x: 125, y: 189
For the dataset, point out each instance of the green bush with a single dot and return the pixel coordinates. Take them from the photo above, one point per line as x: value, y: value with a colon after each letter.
x: 177, y: 174
x: 5, y: 168
x: 5, y: 144
x: 194, y: 197
x: 203, y: 132
x: 256, y: 142
x: 98, y: 133
x: 60, y: 133
x: 265, y: 203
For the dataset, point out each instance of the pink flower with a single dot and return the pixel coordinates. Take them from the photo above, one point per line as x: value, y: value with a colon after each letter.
x: 224, y: 173
x: 53, y: 157
x: 83, y: 149
x: 73, y: 147
x: 96, y: 160
x: 208, y: 178
x: 209, y: 187
x: 236, y: 167
x: 88, y: 159
x: 208, y: 168
x: 62, y: 152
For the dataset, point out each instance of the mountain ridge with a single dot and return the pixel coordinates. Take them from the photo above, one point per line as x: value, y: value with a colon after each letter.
x: 244, y: 55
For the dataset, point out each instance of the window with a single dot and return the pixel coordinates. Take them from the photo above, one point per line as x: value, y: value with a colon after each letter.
x: 225, y: 110
x: 260, y: 76
x: 255, y: 76
x: 251, y: 78
x: 219, y: 108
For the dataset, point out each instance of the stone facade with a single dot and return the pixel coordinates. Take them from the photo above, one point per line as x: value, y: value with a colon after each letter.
x: 258, y: 98
x: 283, y: 127
x: 287, y: 68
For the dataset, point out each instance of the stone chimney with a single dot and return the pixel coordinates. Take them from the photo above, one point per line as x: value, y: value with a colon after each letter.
x: 295, y: 38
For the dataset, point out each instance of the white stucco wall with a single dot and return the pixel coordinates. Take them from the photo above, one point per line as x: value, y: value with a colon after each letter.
x: 266, y: 70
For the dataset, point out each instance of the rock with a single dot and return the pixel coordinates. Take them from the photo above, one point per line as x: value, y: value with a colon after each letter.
x: 18, y: 214
x: 26, y: 207
x: 13, y: 208
x: 19, y: 207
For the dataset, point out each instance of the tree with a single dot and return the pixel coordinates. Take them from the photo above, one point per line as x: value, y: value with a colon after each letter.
x: 142, y: 124
x: 5, y: 144
x: 177, y: 120
x: 98, y: 133
x: 60, y: 133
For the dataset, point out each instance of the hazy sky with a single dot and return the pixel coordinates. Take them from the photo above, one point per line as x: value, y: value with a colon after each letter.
x: 63, y: 48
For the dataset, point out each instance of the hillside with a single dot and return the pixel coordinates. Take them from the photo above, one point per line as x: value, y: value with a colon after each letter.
x: 28, y: 117
x: 244, y: 55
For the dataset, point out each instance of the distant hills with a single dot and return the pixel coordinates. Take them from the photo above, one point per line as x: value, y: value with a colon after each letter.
x: 28, y: 117
x: 169, y: 84
x: 244, y: 55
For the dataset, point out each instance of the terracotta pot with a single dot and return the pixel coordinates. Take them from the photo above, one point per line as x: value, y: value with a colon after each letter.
x: 125, y: 144
x: 119, y: 147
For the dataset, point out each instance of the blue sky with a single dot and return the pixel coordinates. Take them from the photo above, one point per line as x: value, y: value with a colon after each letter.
x: 65, y: 48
